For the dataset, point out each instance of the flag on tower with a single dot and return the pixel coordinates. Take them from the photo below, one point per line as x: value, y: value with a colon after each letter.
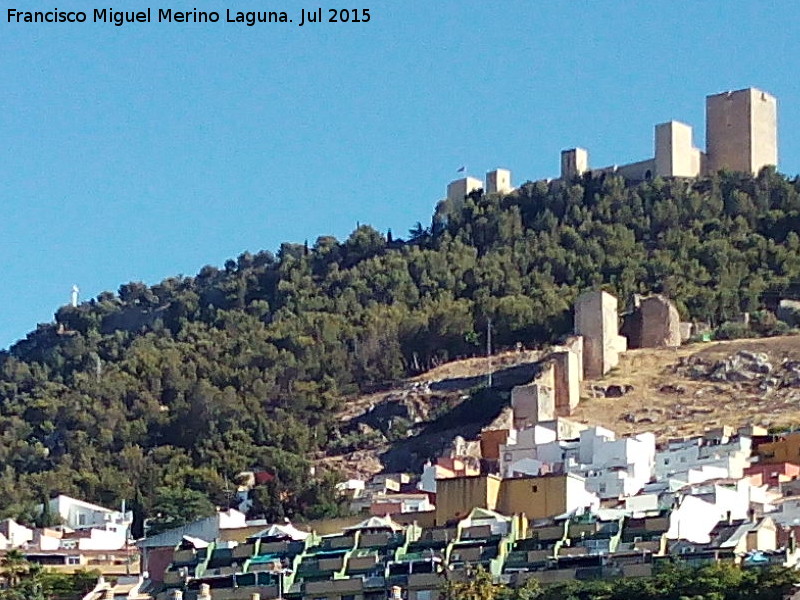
x: 461, y: 169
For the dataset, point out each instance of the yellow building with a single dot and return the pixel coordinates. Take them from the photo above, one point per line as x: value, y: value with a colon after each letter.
x: 544, y: 496
x: 456, y: 497
x: 534, y: 497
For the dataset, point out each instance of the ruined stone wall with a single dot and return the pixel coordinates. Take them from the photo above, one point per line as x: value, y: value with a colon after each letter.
x: 574, y: 344
x: 574, y: 162
x: 661, y: 323
x: 532, y: 403
x: 589, y: 325
x: 567, y: 382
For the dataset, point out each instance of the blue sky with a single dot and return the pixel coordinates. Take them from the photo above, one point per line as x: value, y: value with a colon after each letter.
x: 146, y: 151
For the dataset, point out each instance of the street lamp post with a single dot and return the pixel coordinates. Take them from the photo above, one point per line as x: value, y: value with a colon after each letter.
x: 281, y: 574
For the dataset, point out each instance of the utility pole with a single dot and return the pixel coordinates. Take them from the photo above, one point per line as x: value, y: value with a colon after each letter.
x: 489, y: 348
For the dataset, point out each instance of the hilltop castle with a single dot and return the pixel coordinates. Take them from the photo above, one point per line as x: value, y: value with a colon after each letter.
x: 741, y: 135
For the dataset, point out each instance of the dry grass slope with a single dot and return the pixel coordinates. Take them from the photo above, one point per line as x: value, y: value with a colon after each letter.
x: 669, y: 402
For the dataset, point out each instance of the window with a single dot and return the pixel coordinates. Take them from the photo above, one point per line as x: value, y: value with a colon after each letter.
x: 666, y: 461
x: 424, y: 595
x: 73, y: 560
x: 349, y: 597
x: 508, y: 455
x: 81, y: 519
x: 535, y: 488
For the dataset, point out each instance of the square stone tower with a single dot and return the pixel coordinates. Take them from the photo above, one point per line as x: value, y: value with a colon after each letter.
x: 459, y: 189
x: 499, y: 182
x: 597, y: 320
x: 531, y: 404
x: 741, y: 131
x: 574, y: 162
x: 676, y: 155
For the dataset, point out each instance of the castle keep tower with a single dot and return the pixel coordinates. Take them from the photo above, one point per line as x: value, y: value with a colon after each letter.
x: 741, y: 131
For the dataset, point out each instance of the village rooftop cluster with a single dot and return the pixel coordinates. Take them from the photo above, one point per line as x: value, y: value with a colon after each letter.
x: 562, y: 501
x: 545, y: 497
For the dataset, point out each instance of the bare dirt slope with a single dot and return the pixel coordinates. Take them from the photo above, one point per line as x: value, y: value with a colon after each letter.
x: 684, y: 391
x: 400, y: 428
x: 457, y: 375
x: 671, y: 392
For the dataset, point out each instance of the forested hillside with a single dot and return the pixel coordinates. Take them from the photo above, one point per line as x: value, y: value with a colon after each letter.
x: 160, y: 394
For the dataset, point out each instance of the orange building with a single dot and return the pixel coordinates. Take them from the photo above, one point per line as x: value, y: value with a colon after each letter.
x: 786, y: 449
x: 491, y: 441
x: 773, y: 474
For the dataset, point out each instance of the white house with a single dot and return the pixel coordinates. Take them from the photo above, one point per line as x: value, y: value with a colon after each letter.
x: 642, y: 504
x: 523, y: 467
x: 693, y: 520
x: 701, y: 507
x: 679, y: 456
x: 15, y: 535
x: 579, y: 497
x: 200, y: 531
x: 697, y: 475
x: 77, y: 514
x: 616, y: 468
x: 351, y: 487
x: 97, y: 539
x: 613, y: 468
x: 730, y: 499
x: 522, y: 444
x: 46, y: 539
x: 386, y: 504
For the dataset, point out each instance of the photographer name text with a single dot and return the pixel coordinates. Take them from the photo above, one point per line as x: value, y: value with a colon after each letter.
x: 118, y: 18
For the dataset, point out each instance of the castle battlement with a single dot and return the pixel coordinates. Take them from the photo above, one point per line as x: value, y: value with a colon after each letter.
x: 741, y: 135
x: 497, y: 182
